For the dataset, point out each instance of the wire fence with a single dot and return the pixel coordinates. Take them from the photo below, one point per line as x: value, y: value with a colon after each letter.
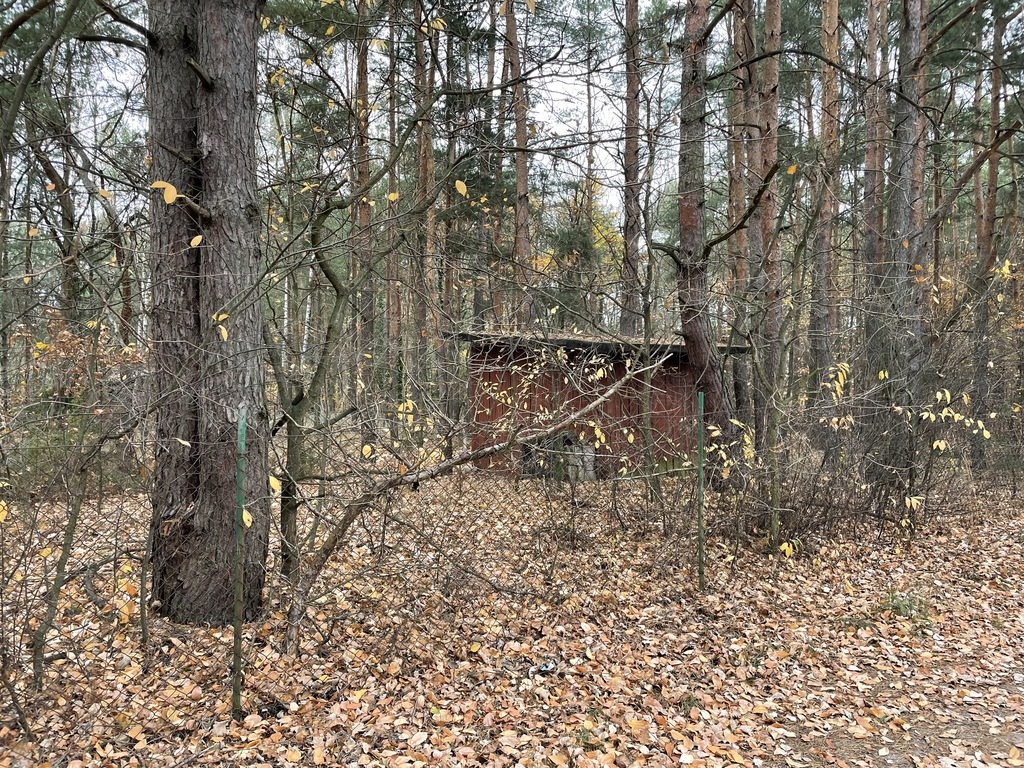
x: 424, y: 544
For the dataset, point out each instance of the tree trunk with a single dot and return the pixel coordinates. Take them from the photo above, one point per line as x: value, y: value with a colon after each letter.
x: 521, y: 251
x: 692, y: 280
x: 877, y: 341
x: 364, y: 279
x: 630, y: 314
x: 987, y: 252
x: 771, y: 264
x: 207, y: 332
x: 738, y: 246
x: 821, y: 300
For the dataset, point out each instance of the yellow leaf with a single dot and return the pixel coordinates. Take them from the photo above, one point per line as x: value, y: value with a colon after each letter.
x: 26, y: 279
x: 3, y: 510
x: 223, y: 332
x: 883, y: 375
x: 319, y: 756
x: 104, y: 193
x: 50, y: 187
x: 438, y: 24
x: 186, y: 443
x: 293, y: 755
x: 195, y: 241
x: 330, y: 30
x: 45, y: 552
x: 33, y: 231
x: 169, y: 191
x: 392, y: 196
x: 791, y: 170
x: 220, y: 317
x: 246, y: 518
x: 531, y: 6
x: 367, y: 451
x: 275, y: 484
x: 265, y: 22
x: 473, y: 648
x: 460, y: 187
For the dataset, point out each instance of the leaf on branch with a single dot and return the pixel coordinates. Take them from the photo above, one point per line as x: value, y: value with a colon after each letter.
x: 195, y: 241
x: 222, y: 332
x: 275, y: 484
x: 460, y: 187
x: 246, y: 518
x: 186, y: 443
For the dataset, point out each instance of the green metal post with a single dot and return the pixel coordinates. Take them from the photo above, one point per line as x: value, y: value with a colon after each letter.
x: 701, y: 583
x: 239, y: 571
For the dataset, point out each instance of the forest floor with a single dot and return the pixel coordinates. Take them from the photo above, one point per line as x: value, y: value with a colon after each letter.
x: 467, y: 628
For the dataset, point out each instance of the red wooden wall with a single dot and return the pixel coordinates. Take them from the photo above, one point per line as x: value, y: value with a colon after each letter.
x: 527, y: 385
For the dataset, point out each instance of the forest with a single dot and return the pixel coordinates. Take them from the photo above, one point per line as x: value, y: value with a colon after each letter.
x: 511, y: 382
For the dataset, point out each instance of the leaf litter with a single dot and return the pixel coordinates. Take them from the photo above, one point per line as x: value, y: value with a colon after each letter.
x: 484, y: 621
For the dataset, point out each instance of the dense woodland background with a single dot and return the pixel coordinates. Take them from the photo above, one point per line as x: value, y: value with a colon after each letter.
x: 298, y: 207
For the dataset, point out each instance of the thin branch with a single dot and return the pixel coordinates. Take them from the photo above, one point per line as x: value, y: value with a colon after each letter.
x: 120, y: 18
x: 22, y: 18
x: 746, y: 214
x: 714, y: 22
x: 113, y: 40
x: 933, y: 39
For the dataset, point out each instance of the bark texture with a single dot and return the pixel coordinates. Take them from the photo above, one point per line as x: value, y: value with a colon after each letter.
x: 202, y: 89
x: 694, y: 299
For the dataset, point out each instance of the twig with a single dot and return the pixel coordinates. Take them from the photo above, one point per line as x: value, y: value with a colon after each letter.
x: 26, y: 728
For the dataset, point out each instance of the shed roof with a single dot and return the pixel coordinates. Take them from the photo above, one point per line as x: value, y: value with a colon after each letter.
x: 610, y: 345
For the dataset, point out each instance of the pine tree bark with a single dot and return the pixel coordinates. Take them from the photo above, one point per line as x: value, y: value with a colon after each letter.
x: 631, y: 316
x: 202, y: 90
x: 766, y: 400
x: 692, y: 279
x: 819, y: 329
x: 521, y: 249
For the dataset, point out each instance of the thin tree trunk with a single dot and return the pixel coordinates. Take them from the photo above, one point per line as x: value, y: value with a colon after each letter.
x: 822, y: 263
x: 738, y: 245
x: 521, y: 249
x: 630, y: 314
x: 987, y: 251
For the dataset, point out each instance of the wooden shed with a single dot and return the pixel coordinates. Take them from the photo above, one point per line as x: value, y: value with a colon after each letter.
x: 531, y: 382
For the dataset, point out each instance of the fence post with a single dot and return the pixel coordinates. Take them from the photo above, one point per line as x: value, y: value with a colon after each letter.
x: 239, y: 570
x: 701, y: 583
